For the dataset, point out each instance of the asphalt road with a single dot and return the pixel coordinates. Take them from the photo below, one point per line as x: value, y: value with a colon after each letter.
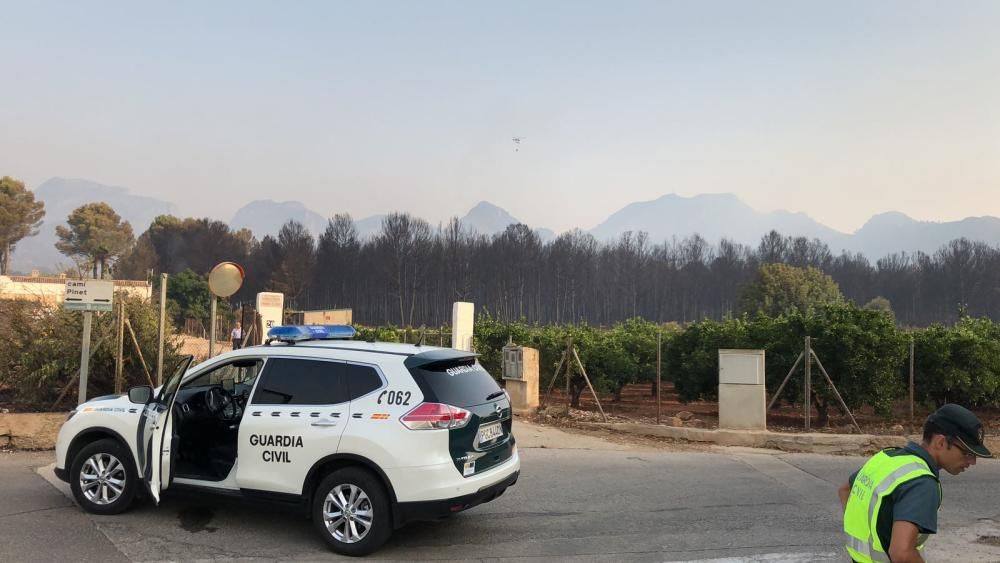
x: 597, y: 504
x: 39, y: 523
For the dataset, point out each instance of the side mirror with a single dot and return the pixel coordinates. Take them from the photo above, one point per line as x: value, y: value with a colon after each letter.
x: 229, y: 384
x: 140, y: 395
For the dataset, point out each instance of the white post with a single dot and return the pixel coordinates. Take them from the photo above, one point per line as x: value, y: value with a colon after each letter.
x: 270, y: 307
x: 462, y: 320
x: 85, y: 357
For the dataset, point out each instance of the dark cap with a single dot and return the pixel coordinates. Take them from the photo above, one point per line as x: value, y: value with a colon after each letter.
x: 958, y: 422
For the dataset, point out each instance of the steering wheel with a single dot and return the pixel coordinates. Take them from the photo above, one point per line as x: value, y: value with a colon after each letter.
x: 221, y: 404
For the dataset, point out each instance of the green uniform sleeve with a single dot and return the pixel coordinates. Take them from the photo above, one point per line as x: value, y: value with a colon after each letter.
x: 917, y: 501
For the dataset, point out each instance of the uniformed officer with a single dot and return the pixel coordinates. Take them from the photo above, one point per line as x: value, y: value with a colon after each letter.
x: 891, y: 503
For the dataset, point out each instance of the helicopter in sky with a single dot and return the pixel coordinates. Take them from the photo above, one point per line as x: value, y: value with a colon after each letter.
x: 517, y: 142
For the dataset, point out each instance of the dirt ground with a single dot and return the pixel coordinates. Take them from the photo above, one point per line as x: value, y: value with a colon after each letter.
x: 537, y: 432
x: 558, y: 430
x: 638, y: 404
x: 198, y: 347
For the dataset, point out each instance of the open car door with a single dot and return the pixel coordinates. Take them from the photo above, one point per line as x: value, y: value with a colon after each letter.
x: 154, y: 424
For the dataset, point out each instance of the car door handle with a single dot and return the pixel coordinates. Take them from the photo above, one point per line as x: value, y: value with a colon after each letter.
x: 325, y: 422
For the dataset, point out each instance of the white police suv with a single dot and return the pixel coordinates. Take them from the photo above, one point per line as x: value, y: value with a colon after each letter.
x: 366, y: 436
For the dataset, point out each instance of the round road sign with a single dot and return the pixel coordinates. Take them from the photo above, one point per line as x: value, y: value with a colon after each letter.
x: 226, y: 278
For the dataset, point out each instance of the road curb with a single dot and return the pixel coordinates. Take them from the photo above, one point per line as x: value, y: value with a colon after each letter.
x: 814, y: 442
x: 30, y: 431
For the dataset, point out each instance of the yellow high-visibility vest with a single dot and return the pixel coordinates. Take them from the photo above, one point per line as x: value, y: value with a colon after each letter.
x: 877, y: 479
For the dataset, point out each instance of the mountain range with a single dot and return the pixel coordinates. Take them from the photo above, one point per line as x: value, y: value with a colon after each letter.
x: 265, y: 217
x: 61, y: 197
x: 713, y: 216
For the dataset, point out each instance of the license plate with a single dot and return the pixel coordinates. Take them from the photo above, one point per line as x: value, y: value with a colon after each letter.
x: 490, y: 432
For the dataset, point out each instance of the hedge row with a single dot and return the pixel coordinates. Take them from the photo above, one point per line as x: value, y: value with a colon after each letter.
x: 864, y: 352
x: 40, y: 351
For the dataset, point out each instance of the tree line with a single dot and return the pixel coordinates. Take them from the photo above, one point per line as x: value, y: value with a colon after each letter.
x: 410, y: 272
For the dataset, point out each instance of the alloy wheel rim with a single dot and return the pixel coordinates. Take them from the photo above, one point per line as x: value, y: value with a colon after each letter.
x: 102, y: 479
x: 348, y: 513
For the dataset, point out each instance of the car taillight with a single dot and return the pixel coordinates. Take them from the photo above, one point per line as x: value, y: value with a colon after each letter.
x: 435, y: 416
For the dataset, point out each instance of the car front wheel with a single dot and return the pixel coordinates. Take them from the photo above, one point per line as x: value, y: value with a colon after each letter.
x: 351, y: 512
x: 103, y: 478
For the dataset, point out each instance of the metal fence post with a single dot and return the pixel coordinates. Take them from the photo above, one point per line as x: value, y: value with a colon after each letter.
x: 88, y: 317
x: 211, y: 329
x: 808, y: 384
x: 659, y: 381
x: 569, y: 371
x: 911, y: 384
x: 120, y: 348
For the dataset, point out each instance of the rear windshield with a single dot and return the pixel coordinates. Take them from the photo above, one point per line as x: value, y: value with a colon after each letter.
x: 459, y: 383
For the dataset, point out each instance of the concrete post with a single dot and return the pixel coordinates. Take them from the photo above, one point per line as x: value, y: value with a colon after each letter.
x: 742, y: 398
x: 462, y: 320
x: 520, y: 374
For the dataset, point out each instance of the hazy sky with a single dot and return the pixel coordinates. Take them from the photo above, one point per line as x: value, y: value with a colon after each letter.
x: 837, y: 109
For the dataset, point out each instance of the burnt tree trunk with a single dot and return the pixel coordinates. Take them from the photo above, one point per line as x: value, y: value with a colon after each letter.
x: 822, y: 411
x: 576, y: 389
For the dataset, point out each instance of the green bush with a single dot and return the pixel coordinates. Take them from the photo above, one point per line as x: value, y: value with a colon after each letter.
x: 959, y: 364
x: 863, y: 351
x: 692, y: 356
x: 377, y: 333
x: 40, y: 350
x: 613, y: 358
x: 860, y: 349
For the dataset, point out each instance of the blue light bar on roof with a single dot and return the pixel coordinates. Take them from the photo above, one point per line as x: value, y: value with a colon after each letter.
x: 299, y: 333
x: 331, y: 332
x: 288, y: 334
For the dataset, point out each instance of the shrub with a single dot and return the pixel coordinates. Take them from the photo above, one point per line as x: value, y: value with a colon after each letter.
x: 860, y: 349
x: 959, y: 364
x: 40, y: 351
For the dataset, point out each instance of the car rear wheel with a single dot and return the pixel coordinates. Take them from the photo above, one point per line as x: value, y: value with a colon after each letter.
x: 351, y: 512
x: 103, y: 478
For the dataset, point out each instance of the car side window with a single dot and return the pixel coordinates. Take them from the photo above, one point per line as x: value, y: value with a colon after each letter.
x: 242, y: 372
x: 361, y: 379
x: 299, y: 381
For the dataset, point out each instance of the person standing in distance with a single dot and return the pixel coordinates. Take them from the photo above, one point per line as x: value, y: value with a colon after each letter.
x: 891, y: 503
x: 236, y: 336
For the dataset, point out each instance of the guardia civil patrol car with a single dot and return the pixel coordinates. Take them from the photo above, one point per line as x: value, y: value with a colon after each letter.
x: 365, y: 436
